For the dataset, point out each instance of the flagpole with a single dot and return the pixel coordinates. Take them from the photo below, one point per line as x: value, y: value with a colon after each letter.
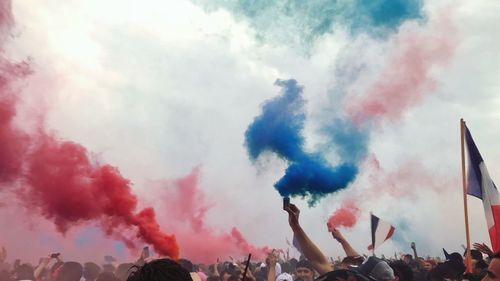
x: 464, y: 185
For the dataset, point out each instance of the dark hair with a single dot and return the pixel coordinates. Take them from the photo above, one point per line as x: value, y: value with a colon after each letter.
x: 304, y: 263
x: 91, y: 270
x: 5, y: 276
x: 344, y: 274
x: 213, y: 278
x: 123, y: 270
x: 233, y: 271
x: 186, y: 264
x: 444, y: 270
x: 106, y: 276
x: 70, y: 271
x: 160, y: 270
x: 408, y: 256
x: 286, y: 267
x: 402, y: 270
x: 108, y: 268
x: 496, y: 255
x: 25, y: 272
x: 455, y: 257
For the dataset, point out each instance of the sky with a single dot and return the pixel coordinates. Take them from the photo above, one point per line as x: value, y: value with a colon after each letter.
x: 209, y: 111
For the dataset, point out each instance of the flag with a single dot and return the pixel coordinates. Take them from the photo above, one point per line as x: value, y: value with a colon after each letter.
x: 296, y: 244
x: 446, y: 254
x: 381, y: 231
x: 480, y: 185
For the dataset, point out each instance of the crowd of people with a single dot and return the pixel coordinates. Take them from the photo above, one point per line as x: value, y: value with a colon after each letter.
x: 313, y: 265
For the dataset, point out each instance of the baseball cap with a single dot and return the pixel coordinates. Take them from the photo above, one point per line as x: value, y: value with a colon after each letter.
x: 375, y: 268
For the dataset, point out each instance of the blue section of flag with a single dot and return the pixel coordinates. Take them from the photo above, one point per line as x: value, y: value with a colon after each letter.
x: 374, y: 224
x: 296, y: 244
x: 474, y: 177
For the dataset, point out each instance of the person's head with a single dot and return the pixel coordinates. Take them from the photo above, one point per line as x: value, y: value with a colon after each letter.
x: 444, y: 271
x: 284, y: 277
x: 106, y: 276
x: 4, y: 275
x: 286, y: 267
x: 475, y: 254
x: 477, y: 262
x: 428, y: 265
x: 293, y: 262
x: 186, y: 264
x: 230, y: 273
x: 123, y: 270
x: 455, y: 257
x: 351, y: 261
x: 108, y: 267
x: 456, y: 262
x: 304, y: 270
x: 90, y: 271
x: 493, y: 271
x: 70, y: 271
x: 24, y: 272
x: 402, y: 271
x: 160, y: 270
x: 407, y: 258
x: 377, y: 269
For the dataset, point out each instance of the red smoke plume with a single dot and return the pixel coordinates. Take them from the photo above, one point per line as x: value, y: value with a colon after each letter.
x: 406, y: 78
x: 345, y: 216
x: 186, y: 206
x: 404, y: 182
x: 403, y: 82
x: 58, y: 178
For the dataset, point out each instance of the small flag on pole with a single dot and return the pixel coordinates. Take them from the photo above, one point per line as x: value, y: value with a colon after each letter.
x: 381, y: 231
x: 296, y: 244
x: 480, y: 185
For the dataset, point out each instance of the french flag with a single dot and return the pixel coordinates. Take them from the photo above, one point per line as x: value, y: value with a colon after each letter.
x: 381, y: 231
x: 480, y: 185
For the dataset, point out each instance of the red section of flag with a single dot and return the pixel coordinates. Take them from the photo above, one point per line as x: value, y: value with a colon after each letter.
x: 494, y: 231
x: 391, y: 232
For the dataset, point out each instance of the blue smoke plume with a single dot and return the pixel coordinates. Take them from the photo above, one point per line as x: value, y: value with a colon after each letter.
x: 279, y: 130
x: 291, y: 20
x: 404, y: 235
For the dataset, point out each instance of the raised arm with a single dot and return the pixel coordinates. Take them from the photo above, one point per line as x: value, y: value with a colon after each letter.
x: 3, y: 254
x: 272, y: 260
x: 44, y: 262
x: 414, y: 248
x: 483, y: 248
x: 348, y: 249
x: 308, y: 248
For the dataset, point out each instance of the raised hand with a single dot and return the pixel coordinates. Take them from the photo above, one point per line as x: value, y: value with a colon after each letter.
x: 483, y: 248
x: 293, y: 216
x: 3, y: 254
x: 337, y: 234
x: 272, y: 259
